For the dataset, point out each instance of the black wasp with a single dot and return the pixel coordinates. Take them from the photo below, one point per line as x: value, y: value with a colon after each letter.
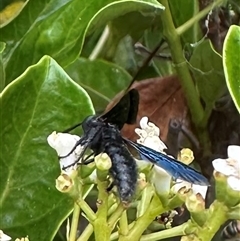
x: 102, y: 134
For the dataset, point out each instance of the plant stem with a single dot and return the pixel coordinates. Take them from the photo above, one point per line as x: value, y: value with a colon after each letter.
x: 86, y: 233
x: 195, y: 25
x: 100, y: 44
x: 115, y: 235
x: 234, y: 213
x: 101, y: 229
x: 217, y: 216
x: 154, y: 209
x: 184, y: 27
x: 123, y: 224
x: 187, y: 84
x: 91, y: 216
x: 74, y: 224
x: 116, y: 215
x: 181, y: 66
x: 146, y: 197
x: 168, y: 233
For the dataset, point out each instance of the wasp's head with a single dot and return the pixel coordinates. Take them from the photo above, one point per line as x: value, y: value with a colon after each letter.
x: 90, y: 122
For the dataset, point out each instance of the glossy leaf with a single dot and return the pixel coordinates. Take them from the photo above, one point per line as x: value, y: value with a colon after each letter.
x: 59, y: 29
x: 11, y: 11
x: 163, y: 66
x: 41, y: 100
x: 102, y: 80
x: 182, y: 11
x: 207, y: 69
x: 231, y: 63
x: 2, y: 47
x: 118, y: 29
x: 2, y: 71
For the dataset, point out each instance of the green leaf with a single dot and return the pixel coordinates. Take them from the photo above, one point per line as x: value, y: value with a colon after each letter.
x: 2, y: 71
x: 207, y: 69
x: 121, y: 29
x: 231, y: 63
x: 2, y: 46
x: 118, y: 29
x: 163, y: 67
x: 102, y: 80
x: 41, y: 100
x: 182, y: 11
x: 59, y: 30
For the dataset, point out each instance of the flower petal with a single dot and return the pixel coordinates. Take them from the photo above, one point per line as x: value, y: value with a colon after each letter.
x: 200, y: 189
x: 234, y: 153
x: 144, y: 122
x: 221, y: 165
x: 4, y: 237
x: 234, y: 183
x: 62, y: 142
x: 155, y: 143
x: 161, y: 180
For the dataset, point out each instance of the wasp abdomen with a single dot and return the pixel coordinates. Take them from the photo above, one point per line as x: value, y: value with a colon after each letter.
x: 123, y: 170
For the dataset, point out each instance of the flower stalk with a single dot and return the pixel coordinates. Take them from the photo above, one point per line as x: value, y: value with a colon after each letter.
x: 141, y: 224
x: 217, y: 215
x: 74, y: 223
x: 101, y: 228
x: 167, y: 233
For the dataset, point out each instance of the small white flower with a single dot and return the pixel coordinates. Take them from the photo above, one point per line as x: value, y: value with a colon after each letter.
x: 4, y: 237
x: 63, y: 143
x: 149, y: 136
x: 230, y: 167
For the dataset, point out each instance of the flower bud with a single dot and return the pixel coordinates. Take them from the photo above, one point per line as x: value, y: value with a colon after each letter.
x: 22, y: 239
x: 186, y: 156
x: 64, y: 183
x: 69, y: 183
x: 103, y: 164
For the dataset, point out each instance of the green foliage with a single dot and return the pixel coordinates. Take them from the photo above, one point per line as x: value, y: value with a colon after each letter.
x: 48, y: 85
x: 100, y: 85
x: 2, y: 72
x: 206, y: 66
x: 231, y: 60
x: 32, y: 106
x: 59, y: 29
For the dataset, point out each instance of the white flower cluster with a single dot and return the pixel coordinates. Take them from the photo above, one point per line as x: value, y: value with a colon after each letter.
x: 230, y: 167
x: 150, y: 136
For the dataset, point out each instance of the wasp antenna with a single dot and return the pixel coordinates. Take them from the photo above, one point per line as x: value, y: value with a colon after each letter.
x: 146, y: 62
x: 72, y: 128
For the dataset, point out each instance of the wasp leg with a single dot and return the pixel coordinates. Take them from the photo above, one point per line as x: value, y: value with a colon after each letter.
x: 110, y: 187
x: 88, y: 160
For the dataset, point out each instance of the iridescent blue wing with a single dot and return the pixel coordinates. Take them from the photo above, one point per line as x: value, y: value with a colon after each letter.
x: 173, y: 167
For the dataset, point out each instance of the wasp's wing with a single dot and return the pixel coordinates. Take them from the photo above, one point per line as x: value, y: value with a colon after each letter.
x: 173, y: 167
x: 125, y: 111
